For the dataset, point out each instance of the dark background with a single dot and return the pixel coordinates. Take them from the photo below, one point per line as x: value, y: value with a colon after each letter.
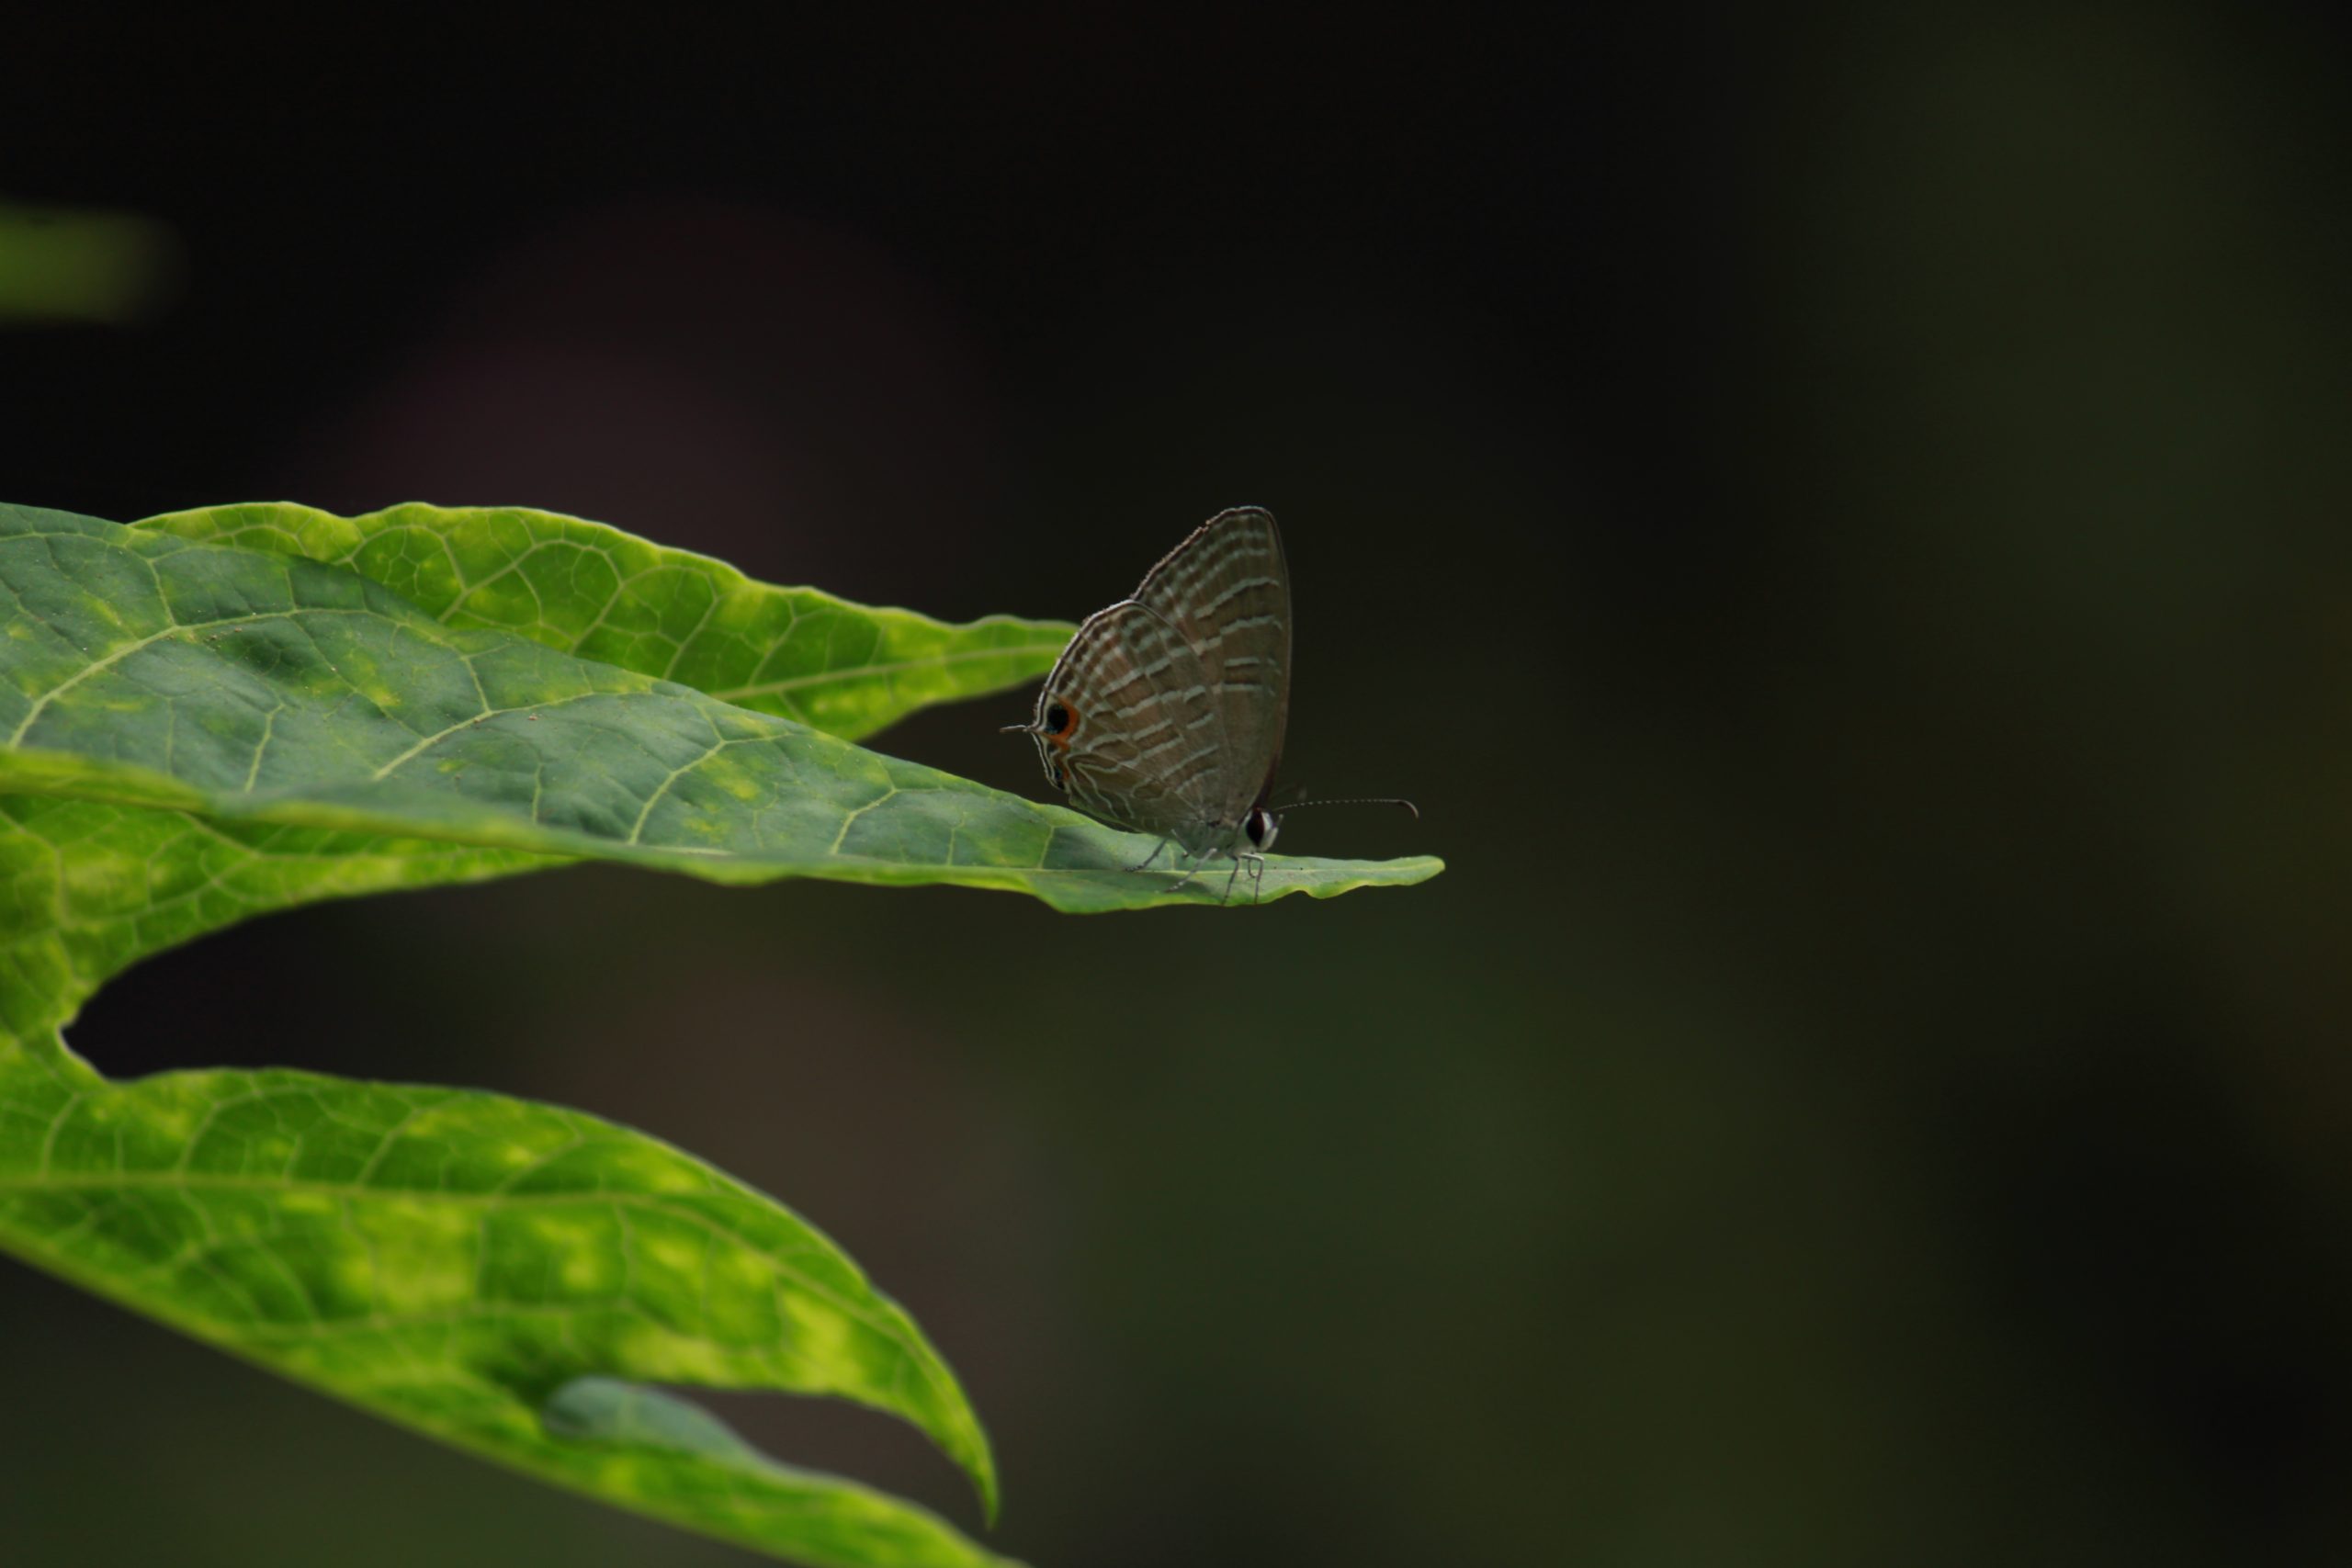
x: 1840, y: 522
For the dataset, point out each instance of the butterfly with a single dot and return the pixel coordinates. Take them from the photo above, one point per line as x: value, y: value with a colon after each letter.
x: 1165, y: 714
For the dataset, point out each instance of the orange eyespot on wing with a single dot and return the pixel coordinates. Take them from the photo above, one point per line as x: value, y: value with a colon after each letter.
x: 1061, y: 724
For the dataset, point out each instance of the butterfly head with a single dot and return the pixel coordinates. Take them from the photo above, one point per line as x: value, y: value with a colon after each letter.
x: 1260, y: 828
x: 1056, y: 724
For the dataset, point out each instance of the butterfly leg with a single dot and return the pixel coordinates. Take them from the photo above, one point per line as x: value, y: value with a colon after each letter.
x: 1152, y: 857
x: 1199, y: 864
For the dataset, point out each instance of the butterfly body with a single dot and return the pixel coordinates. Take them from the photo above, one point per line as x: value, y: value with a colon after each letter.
x: 1165, y: 714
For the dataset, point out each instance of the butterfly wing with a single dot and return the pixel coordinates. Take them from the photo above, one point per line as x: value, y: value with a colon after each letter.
x: 1227, y: 590
x: 1127, y: 725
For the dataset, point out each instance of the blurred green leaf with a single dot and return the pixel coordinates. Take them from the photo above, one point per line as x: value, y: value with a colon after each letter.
x: 63, y: 264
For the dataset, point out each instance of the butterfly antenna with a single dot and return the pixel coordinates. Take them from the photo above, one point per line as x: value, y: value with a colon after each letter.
x: 1364, y: 800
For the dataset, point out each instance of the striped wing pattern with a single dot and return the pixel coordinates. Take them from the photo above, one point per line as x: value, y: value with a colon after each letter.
x: 1165, y: 714
x: 1141, y: 743
x: 1226, y: 590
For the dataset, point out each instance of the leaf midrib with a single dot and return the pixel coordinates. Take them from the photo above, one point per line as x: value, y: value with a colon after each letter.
x: 798, y: 683
x: 119, y: 654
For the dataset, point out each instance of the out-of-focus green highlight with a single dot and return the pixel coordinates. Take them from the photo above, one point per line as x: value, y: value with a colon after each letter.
x: 65, y: 265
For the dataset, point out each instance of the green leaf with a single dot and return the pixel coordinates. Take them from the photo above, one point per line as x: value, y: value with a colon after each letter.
x: 654, y: 1438
x: 585, y: 588
x: 249, y: 686
x: 481, y: 1270
x: 115, y: 1186
x: 220, y: 713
